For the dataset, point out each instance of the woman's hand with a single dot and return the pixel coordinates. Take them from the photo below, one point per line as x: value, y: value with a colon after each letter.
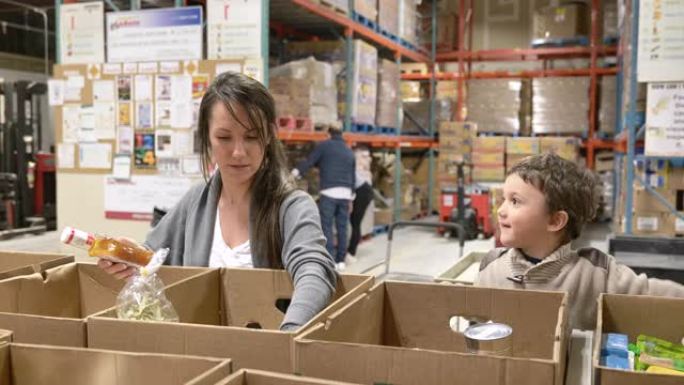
x: 117, y: 269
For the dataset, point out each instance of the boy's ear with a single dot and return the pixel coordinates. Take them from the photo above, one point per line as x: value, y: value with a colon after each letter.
x: 557, y: 221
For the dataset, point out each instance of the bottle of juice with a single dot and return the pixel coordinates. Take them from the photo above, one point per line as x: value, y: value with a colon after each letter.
x: 106, y: 247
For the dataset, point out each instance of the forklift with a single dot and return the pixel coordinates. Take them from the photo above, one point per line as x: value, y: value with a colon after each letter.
x: 27, y: 176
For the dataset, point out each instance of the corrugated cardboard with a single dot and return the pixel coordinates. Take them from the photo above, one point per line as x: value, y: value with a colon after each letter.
x: 676, y: 178
x: 644, y: 201
x: 5, y: 335
x: 522, y: 146
x: 633, y: 315
x: 386, y: 114
x: 462, y: 130
x: 23, y: 364
x: 493, y: 158
x: 219, y: 311
x: 364, y: 97
x: 387, y: 16
x: 367, y: 8
x: 512, y: 160
x: 260, y: 377
x: 13, y: 263
x: 652, y: 223
x: 490, y: 144
x: 565, y: 147
x: 399, y: 333
x: 565, y: 21
x: 51, y: 307
x: 489, y: 173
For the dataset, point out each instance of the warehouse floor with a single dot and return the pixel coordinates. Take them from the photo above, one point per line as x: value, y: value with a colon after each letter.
x: 414, y: 250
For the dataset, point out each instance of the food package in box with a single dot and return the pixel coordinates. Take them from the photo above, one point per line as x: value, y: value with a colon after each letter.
x: 496, y: 144
x: 407, y: 20
x: 489, y: 173
x: 365, y: 93
x: 522, y: 146
x: 560, y: 105
x: 495, y: 105
x: 367, y: 9
x: 410, y: 91
x: 388, y: 96
x: 559, y: 22
x: 565, y: 147
x: 387, y: 16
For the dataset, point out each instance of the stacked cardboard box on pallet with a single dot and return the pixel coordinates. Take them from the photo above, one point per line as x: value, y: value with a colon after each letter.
x: 489, y: 158
x: 387, y: 16
x: 386, y: 114
x: 447, y: 89
x: 563, y: 146
x: 607, y: 106
x: 305, y: 88
x: 407, y: 20
x: 495, y: 105
x: 365, y: 93
x: 561, y: 22
x: 367, y: 9
x: 455, y: 146
x: 518, y: 148
x: 560, y: 105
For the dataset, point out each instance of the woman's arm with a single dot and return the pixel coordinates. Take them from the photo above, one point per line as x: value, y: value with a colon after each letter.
x: 305, y: 257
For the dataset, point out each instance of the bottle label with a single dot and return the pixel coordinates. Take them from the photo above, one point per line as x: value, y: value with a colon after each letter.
x: 80, y: 238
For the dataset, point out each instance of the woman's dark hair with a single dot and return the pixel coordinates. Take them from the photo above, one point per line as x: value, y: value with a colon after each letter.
x: 271, y: 183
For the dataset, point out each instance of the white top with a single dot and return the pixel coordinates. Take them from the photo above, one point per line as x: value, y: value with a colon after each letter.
x: 223, y: 256
x: 338, y: 193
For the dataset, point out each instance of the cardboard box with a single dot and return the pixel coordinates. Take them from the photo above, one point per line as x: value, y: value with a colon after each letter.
x: 447, y: 89
x: 652, y: 224
x: 51, y: 307
x: 644, y: 201
x: 5, y: 335
x: 679, y: 224
x: 399, y: 333
x: 410, y: 91
x: 260, y: 377
x: 488, y: 158
x: 564, y: 21
x: 489, y: 144
x: 364, y: 97
x: 512, y: 160
x: 676, y: 178
x: 633, y: 315
x: 387, y: 16
x: 13, y: 263
x: 565, y: 147
x: 463, y: 130
x: 489, y: 173
x: 234, y: 313
x: 367, y: 9
x: 386, y: 113
x: 23, y: 364
x: 522, y: 146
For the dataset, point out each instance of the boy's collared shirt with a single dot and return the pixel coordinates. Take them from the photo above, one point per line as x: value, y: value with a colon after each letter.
x: 584, y: 274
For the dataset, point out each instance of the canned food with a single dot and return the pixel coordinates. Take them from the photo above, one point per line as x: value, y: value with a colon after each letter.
x: 492, y: 339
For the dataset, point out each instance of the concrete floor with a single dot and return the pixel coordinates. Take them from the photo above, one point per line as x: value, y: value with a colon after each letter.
x: 414, y: 250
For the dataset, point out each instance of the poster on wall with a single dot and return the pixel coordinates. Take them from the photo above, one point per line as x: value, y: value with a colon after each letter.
x: 154, y: 35
x: 661, y: 52
x: 136, y: 198
x: 81, y: 33
x: 233, y: 28
x: 665, y: 119
x: 144, y: 113
x: 144, y: 150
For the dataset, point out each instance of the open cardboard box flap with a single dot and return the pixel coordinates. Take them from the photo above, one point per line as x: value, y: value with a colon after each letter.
x: 23, y: 364
x: 14, y: 263
x: 259, y: 377
x: 400, y: 333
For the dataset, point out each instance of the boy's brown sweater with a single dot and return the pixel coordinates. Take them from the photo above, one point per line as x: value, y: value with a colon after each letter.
x: 583, y: 274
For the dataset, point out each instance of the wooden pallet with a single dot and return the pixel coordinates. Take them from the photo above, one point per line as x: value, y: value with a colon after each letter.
x: 414, y: 68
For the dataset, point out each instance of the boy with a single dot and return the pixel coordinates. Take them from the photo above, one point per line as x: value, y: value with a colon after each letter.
x: 547, y: 200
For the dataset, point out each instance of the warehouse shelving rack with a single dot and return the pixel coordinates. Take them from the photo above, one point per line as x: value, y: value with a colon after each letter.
x: 311, y: 17
x: 465, y: 56
x: 632, y: 129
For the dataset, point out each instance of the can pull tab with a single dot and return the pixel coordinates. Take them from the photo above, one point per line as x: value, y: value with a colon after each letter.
x: 517, y: 278
x: 155, y: 263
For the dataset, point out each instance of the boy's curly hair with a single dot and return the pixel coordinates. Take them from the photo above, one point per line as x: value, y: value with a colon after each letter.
x: 566, y: 186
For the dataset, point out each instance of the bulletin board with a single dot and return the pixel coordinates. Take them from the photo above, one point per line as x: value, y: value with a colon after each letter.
x: 139, y: 114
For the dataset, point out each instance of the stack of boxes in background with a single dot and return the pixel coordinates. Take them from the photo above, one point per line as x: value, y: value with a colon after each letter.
x: 489, y: 158
x: 607, y: 110
x: 387, y: 16
x: 650, y: 215
x: 519, y: 148
x: 305, y: 89
x: 495, y: 104
x: 387, y: 110
x: 367, y: 9
x: 604, y: 165
x: 407, y: 20
x: 565, y: 21
x: 610, y: 21
x: 455, y: 146
x: 447, y: 89
x: 565, y: 147
x: 365, y: 93
x: 560, y: 105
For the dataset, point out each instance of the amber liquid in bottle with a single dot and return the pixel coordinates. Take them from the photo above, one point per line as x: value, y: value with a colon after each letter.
x: 106, y: 247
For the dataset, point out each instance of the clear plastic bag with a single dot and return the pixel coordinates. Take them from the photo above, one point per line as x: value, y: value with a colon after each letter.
x: 143, y: 298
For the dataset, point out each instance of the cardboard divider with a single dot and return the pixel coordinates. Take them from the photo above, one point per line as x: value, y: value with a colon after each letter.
x: 51, y: 307
x: 14, y: 263
x: 399, y: 333
x: 633, y: 315
x: 24, y: 364
x: 216, y: 310
x: 260, y: 377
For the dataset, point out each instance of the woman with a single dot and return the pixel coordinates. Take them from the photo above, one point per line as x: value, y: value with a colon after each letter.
x: 363, y: 191
x: 248, y: 213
